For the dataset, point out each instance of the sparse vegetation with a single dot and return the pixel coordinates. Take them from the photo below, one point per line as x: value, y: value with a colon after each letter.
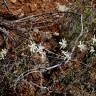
x: 47, y: 48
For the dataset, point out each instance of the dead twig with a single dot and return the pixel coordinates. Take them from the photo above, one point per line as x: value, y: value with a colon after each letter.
x: 5, y: 2
x: 4, y: 31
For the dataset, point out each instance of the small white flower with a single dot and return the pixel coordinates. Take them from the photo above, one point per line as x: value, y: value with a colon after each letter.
x: 3, y: 53
x: 63, y: 43
x: 94, y: 40
x: 40, y: 48
x: 33, y: 47
x: 67, y: 54
x: 36, y: 48
x: 82, y: 46
x: 62, y: 8
x: 92, y: 49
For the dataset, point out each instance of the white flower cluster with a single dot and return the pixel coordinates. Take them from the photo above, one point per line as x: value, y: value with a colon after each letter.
x: 94, y: 40
x: 67, y: 55
x: 35, y: 47
x: 82, y: 46
x: 92, y: 50
x: 63, y: 44
x: 3, y: 53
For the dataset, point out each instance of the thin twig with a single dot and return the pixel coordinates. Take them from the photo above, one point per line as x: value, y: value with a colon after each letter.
x: 6, y: 5
x: 80, y: 35
x: 33, y: 17
x: 24, y: 74
x: 4, y: 31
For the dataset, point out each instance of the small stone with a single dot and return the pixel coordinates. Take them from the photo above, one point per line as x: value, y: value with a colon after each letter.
x: 44, y: 90
x: 61, y: 8
x: 13, y: 1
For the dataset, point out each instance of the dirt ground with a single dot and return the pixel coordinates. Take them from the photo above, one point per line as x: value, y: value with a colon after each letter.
x: 30, y: 7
